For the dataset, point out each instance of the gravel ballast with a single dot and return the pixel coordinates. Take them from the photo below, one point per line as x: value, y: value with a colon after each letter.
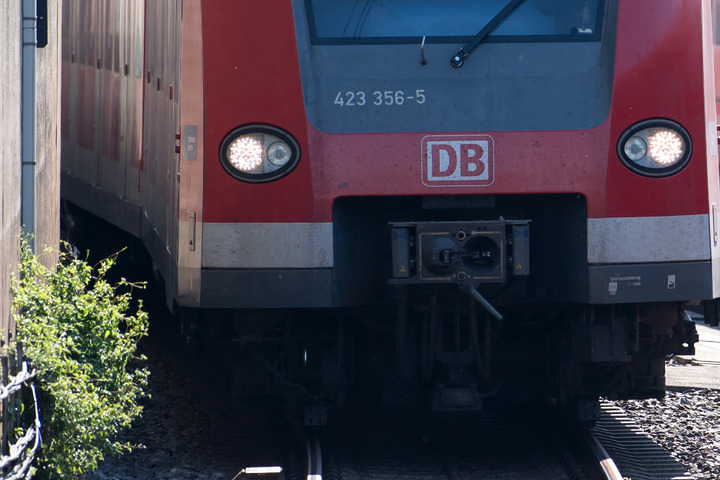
x: 687, y: 424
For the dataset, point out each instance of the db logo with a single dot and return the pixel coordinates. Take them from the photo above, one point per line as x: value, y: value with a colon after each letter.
x: 457, y: 160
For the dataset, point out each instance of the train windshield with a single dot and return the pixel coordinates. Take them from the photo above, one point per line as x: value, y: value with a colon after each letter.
x: 405, y: 21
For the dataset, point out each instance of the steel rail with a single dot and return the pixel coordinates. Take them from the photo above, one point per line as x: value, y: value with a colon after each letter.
x: 605, y: 462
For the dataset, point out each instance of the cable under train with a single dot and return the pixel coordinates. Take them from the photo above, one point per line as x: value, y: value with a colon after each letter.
x: 434, y: 203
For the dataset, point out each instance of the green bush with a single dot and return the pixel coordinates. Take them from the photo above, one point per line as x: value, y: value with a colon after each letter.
x: 75, y: 332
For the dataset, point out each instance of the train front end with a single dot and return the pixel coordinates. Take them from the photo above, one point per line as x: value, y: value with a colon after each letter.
x: 534, y: 174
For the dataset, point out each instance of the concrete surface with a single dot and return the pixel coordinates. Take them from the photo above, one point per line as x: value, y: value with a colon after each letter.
x: 701, y: 370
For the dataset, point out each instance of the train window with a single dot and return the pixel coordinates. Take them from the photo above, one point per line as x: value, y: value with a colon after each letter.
x: 85, y: 38
x: 136, y: 17
x: 66, y: 34
x: 402, y: 21
x: 108, y: 34
x: 116, y: 36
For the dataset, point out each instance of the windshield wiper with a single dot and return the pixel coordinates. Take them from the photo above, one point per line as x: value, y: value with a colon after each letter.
x: 459, y: 58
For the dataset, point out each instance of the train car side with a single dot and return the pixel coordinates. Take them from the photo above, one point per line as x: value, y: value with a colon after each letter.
x: 103, y: 62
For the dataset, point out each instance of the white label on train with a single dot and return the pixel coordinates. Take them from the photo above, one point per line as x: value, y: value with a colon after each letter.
x: 457, y: 161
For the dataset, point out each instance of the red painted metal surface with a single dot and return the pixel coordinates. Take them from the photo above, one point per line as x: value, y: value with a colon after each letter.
x: 258, y: 83
x: 658, y: 73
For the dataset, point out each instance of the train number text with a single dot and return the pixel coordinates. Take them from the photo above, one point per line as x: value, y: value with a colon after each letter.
x: 379, y: 98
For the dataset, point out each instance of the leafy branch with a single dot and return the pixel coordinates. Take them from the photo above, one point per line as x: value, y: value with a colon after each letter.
x: 73, y: 324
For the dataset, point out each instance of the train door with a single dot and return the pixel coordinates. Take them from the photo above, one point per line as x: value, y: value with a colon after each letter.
x: 85, y: 112
x: 172, y: 72
x: 132, y: 54
x: 110, y: 168
x: 154, y: 176
x: 69, y: 75
x: 161, y: 124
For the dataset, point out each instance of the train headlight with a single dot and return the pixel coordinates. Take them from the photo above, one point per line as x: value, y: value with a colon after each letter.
x: 245, y: 153
x: 279, y: 153
x: 655, y: 148
x: 259, y: 153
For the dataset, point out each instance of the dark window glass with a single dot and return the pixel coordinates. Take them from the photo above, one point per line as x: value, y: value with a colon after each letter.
x: 398, y: 21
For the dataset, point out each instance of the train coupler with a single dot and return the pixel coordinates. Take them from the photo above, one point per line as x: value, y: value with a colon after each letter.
x: 466, y: 253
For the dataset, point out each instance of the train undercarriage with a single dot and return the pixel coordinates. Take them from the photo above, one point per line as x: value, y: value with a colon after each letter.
x: 439, y: 349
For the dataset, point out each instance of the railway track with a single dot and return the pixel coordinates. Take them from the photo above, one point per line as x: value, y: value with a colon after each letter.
x: 503, y: 444
x: 636, y: 455
x: 368, y: 443
x: 372, y: 443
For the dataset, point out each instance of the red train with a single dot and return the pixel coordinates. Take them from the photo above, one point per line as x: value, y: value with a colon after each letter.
x: 443, y: 201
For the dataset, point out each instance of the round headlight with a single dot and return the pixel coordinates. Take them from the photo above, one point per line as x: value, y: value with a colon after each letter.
x: 279, y: 153
x: 635, y: 148
x: 245, y: 153
x: 259, y: 153
x: 655, y: 148
x: 666, y: 147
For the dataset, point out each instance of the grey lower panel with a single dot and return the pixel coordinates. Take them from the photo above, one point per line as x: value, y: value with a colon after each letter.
x: 111, y: 208
x: 163, y: 260
x: 650, y: 282
x: 266, y: 288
